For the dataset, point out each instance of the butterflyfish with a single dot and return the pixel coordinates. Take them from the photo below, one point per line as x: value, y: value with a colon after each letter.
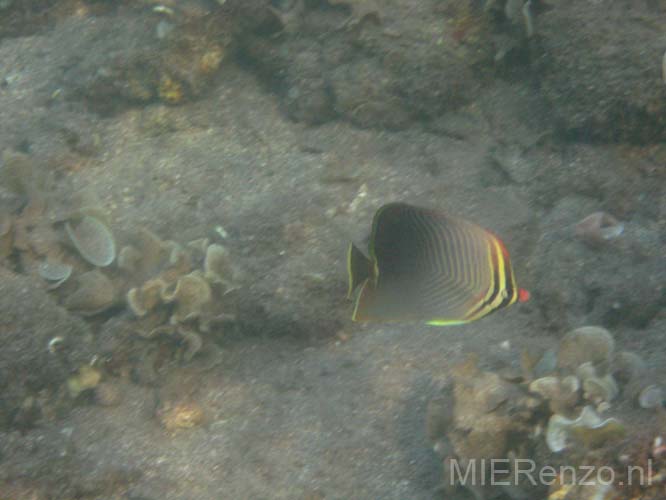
x: 423, y: 265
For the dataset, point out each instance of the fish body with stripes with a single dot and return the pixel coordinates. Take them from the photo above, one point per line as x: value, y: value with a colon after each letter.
x: 423, y: 265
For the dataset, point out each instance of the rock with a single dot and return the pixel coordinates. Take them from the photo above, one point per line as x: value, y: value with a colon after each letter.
x: 31, y: 319
x: 601, y: 70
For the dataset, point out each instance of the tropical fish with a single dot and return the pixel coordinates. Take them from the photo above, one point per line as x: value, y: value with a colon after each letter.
x: 424, y: 265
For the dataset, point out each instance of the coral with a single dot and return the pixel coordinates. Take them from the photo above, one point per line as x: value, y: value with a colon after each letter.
x: 95, y: 293
x: 179, y: 291
x: 180, y: 415
x: 551, y: 420
x: 562, y: 394
x: 210, y: 60
x: 629, y: 368
x: 55, y: 272
x: 588, y: 343
x: 172, y: 63
x: 93, y: 240
x: 491, y: 418
x: 651, y: 396
x: 25, y: 229
x: 170, y: 90
x: 86, y: 378
x: 588, y: 430
x: 600, y: 389
x: 57, y: 236
x: 145, y: 298
x: 591, y: 491
x: 22, y: 177
x: 108, y: 394
x: 216, y: 264
x: 144, y: 256
x: 190, y: 295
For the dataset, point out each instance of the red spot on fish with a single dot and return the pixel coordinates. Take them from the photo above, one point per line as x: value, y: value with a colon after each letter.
x: 523, y: 295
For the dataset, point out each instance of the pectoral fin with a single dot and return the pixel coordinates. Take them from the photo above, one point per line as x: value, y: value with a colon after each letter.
x: 359, y: 268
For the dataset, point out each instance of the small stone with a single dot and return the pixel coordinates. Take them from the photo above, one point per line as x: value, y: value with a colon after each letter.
x: 108, y: 394
x: 179, y: 416
x: 86, y: 378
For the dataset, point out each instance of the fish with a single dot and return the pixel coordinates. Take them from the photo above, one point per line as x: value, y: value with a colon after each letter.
x: 427, y: 266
